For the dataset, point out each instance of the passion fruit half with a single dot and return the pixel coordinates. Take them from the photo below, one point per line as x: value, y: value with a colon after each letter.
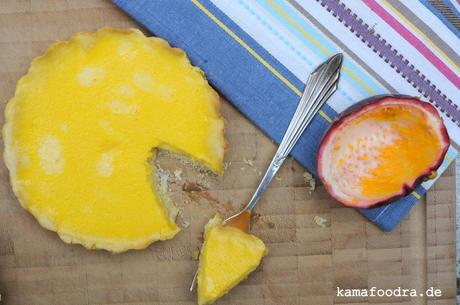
x: 381, y: 150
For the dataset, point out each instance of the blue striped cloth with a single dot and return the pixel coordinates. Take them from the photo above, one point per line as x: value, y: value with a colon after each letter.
x: 249, y: 77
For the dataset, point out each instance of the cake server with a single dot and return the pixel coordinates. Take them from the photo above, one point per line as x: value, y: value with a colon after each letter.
x: 321, y: 84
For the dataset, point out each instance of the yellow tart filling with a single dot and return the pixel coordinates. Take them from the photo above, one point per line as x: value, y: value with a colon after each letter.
x: 83, y: 124
x: 227, y: 257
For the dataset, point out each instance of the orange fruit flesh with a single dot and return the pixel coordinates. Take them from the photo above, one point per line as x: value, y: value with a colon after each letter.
x: 396, y: 153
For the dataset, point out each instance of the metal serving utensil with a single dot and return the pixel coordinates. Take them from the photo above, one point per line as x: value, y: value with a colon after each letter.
x: 321, y: 84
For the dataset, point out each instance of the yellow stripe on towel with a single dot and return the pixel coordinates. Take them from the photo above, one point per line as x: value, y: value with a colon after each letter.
x: 255, y: 54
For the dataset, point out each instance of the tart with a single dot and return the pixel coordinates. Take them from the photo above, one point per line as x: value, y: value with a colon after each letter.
x: 227, y: 257
x: 86, y: 120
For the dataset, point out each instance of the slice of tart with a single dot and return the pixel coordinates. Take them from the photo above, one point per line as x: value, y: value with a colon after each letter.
x: 227, y: 257
x: 85, y: 121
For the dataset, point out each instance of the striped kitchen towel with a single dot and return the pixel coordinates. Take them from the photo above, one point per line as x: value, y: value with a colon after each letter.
x: 258, y: 53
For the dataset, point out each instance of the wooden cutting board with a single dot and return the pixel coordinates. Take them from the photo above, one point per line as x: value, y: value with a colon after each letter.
x: 306, y: 263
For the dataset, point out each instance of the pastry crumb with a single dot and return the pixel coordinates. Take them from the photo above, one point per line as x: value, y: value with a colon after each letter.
x: 227, y: 165
x: 181, y: 221
x: 164, y: 179
x: 249, y: 162
x: 278, y: 178
x: 320, y: 221
x: 242, y: 169
x: 178, y: 174
x: 196, y: 254
x: 203, y: 174
x: 309, y: 181
x: 203, y: 178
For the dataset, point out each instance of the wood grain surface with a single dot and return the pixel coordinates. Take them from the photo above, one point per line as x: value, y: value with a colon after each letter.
x: 306, y: 261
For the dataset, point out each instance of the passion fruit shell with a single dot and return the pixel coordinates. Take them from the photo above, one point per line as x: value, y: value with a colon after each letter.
x: 381, y: 149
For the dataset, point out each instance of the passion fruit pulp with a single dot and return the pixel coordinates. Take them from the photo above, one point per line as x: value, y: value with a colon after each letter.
x: 381, y: 150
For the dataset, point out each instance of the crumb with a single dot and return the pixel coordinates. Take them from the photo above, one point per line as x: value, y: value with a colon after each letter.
x: 203, y: 175
x: 206, y: 184
x: 196, y: 254
x: 271, y: 225
x: 202, y: 178
x: 260, y: 173
x: 178, y: 174
x: 181, y: 221
x: 242, y: 169
x: 164, y: 178
x: 249, y: 162
x: 278, y: 178
x: 310, y: 181
x: 185, y: 224
x: 320, y: 221
x: 227, y: 165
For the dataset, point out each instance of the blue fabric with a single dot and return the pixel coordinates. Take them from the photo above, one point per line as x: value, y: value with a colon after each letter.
x: 439, y: 14
x: 244, y: 81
